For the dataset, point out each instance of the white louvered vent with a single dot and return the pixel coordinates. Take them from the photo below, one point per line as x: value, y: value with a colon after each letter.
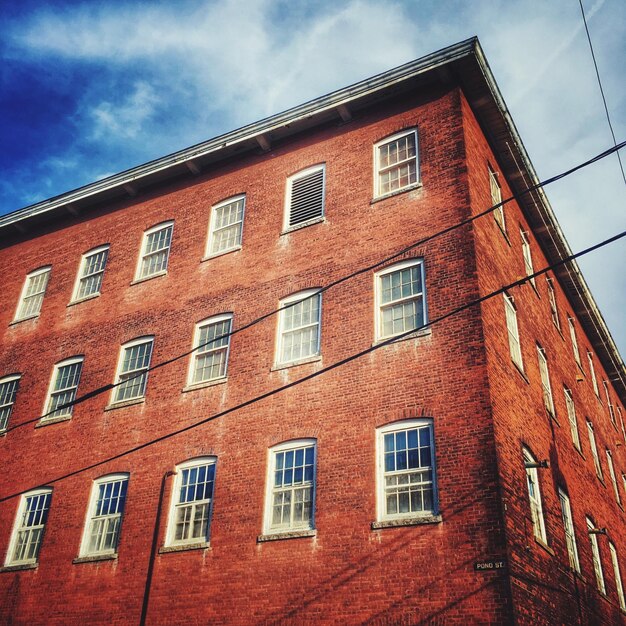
x: 306, y: 200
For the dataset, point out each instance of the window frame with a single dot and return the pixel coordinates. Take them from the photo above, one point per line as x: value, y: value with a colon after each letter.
x: 569, y: 530
x: 594, y: 449
x: 19, y: 314
x: 609, y: 404
x: 394, y: 427
x: 592, y: 369
x: 307, y: 171
x: 175, y: 504
x: 571, y: 417
x: 574, y: 340
x: 10, y: 560
x: 377, y: 166
x: 118, y: 373
x: 554, y: 309
x: 196, y: 354
x: 619, y: 586
x: 209, y: 252
x: 47, y: 407
x: 546, y: 387
x: 80, y: 277
x: 293, y: 527
x: 535, y: 502
x: 284, y: 305
x: 496, y: 198
x: 527, y: 256
x: 7, y: 380
x: 398, y: 267
x: 91, y: 515
x: 596, y: 559
x: 143, y: 253
x: 512, y: 328
x: 613, y: 476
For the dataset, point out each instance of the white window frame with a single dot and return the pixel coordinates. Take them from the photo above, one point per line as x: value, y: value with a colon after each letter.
x: 609, y: 460
x: 571, y: 416
x: 594, y: 449
x: 546, y: 388
x: 106, y: 520
x: 398, y: 267
x: 288, y: 197
x: 199, y: 353
x: 592, y: 369
x: 515, y: 346
x: 609, y: 404
x: 293, y: 526
x: 20, y: 313
x: 381, y: 473
x: 175, y: 504
x: 120, y: 376
x: 496, y: 198
x: 527, y: 255
x: 378, y: 168
x: 19, y: 526
x: 595, y: 557
x: 534, y: 499
x: 72, y: 390
x: 213, y: 229
x: 619, y: 586
x: 570, y: 534
x: 284, y: 305
x: 572, y: 334
x: 144, y: 254
x: 554, y: 309
x: 82, y: 275
x: 6, y: 406
x: 621, y: 420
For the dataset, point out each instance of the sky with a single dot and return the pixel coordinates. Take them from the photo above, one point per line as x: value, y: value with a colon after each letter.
x: 89, y: 88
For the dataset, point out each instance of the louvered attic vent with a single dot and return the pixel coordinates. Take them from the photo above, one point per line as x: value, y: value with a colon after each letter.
x: 306, y: 198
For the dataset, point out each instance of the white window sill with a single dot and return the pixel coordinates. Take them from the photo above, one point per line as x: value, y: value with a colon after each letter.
x: 143, y: 279
x: 407, y: 521
x: 397, y: 192
x: 292, y: 534
x: 313, y: 220
x: 85, y: 299
x: 309, y: 359
x: 18, y: 567
x: 213, y: 255
x: 544, y: 545
x: 423, y: 332
x: 124, y: 403
x: 182, y: 547
x: 48, y: 421
x: 24, y: 319
x: 94, y: 558
x: 206, y: 383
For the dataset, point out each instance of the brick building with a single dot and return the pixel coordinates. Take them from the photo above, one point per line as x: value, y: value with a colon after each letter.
x: 468, y: 471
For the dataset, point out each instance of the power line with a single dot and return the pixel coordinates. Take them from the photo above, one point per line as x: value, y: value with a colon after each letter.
x: 606, y: 108
x: 363, y: 270
x: 341, y: 362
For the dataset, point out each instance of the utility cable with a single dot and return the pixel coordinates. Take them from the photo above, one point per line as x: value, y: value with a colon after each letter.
x: 332, y: 366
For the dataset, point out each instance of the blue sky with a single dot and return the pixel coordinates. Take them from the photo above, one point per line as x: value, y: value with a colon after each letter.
x: 88, y: 89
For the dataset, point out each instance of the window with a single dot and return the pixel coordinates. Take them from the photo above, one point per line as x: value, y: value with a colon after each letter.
x: 305, y: 197
x: 545, y: 381
x: 401, y: 298
x: 609, y: 404
x: 609, y: 462
x: 406, y: 470
x: 571, y: 416
x: 291, y: 487
x: 554, y: 312
x: 496, y: 198
x: 104, y: 515
x: 621, y: 421
x: 32, y: 295
x: 572, y: 334
x: 513, y: 332
x: 618, y: 576
x: 192, y: 501
x: 299, y: 326
x: 132, y: 369
x: 594, y: 450
x: 528, y: 260
x: 570, y: 536
x: 28, y: 530
x: 592, y: 369
x: 155, y: 250
x: 595, y: 555
x: 396, y: 163
x: 63, y: 388
x: 211, y: 342
x: 90, y: 273
x: 534, y: 495
x: 226, y: 226
x: 8, y: 391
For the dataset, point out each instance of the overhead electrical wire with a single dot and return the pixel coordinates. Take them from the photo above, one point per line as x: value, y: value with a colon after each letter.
x: 332, y: 366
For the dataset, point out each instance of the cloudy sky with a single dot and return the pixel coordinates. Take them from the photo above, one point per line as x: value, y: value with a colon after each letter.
x: 89, y: 88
